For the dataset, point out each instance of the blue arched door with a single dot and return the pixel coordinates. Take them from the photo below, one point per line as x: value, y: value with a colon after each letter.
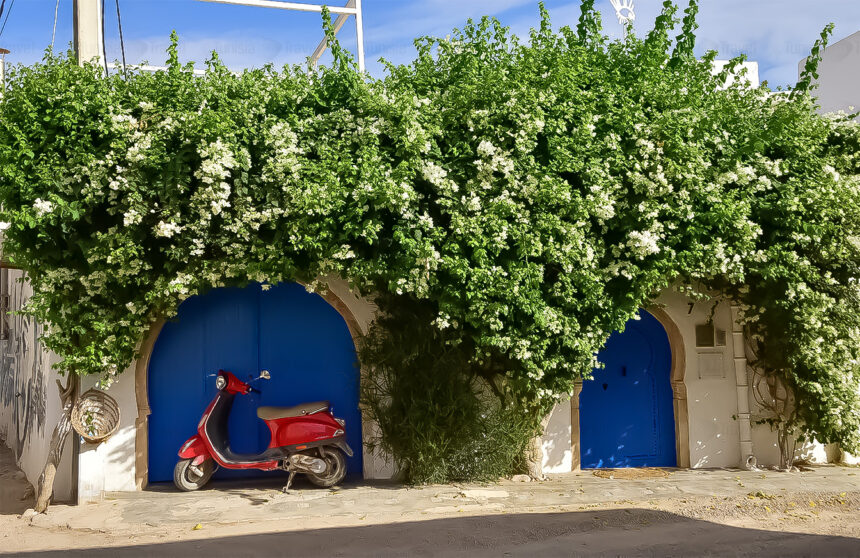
x: 626, y: 415
x: 296, y: 335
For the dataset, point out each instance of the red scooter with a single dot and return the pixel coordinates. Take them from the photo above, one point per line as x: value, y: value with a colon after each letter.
x: 305, y: 439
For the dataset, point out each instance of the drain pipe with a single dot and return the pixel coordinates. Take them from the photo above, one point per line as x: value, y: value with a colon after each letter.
x: 748, y: 459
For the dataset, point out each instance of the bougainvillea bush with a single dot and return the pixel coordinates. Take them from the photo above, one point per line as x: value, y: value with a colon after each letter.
x: 528, y: 196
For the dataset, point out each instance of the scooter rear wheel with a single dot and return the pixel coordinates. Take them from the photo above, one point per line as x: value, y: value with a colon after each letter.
x: 335, y: 468
x: 187, y: 480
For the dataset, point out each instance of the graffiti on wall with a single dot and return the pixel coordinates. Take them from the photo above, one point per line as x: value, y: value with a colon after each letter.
x: 23, y: 374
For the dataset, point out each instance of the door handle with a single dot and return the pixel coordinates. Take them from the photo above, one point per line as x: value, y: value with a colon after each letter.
x: 605, y: 386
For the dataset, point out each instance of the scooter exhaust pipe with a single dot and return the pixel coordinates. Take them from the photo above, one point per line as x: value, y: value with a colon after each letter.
x: 306, y: 464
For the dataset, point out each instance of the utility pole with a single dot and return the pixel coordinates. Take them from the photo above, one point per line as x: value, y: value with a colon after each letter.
x: 3, y: 53
x: 88, y: 30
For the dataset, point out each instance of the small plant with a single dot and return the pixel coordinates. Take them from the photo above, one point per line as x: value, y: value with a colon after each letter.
x: 437, y: 414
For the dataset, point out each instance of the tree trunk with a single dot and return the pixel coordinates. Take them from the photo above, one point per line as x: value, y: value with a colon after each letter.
x: 787, y: 447
x: 534, y: 454
x: 58, y: 441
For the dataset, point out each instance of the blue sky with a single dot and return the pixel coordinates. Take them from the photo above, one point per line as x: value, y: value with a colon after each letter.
x: 775, y: 33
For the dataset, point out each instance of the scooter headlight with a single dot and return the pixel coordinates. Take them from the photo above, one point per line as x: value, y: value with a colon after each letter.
x: 221, y: 382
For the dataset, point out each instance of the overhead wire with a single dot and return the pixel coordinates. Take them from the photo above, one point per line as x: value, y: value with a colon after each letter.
x: 2, y: 7
x: 54, y: 32
x: 104, y: 46
x: 121, y: 40
x: 8, y: 13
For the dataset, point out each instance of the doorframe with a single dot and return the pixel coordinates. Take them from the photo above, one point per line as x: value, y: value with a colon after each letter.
x: 678, y: 369
x: 141, y: 385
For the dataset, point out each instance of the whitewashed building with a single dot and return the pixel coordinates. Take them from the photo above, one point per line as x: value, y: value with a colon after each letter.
x: 839, y: 76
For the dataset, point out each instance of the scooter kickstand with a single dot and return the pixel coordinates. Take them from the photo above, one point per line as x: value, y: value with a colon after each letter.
x: 289, y: 481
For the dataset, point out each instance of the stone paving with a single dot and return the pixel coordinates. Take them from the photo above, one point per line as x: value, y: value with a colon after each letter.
x: 237, y: 502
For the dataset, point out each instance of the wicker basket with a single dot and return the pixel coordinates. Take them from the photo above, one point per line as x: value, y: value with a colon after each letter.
x: 95, y: 416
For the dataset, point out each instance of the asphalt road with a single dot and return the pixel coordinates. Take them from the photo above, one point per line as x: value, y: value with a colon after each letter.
x: 584, y: 533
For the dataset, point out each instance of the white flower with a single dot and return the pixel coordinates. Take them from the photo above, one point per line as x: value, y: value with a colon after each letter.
x: 443, y: 321
x: 643, y: 243
x: 42, y: 207
x: 433, y: 173
x: 137, y: 152
x: 166, y: 230
x: 344, y: 253
x: 124, y: 119
x: 486, y: 149
x: 217, y: 160
x: 131, y: 217
x: 473, y: 203
x: 832, y: 172
x: 4, y: 225
x: 426, y: 221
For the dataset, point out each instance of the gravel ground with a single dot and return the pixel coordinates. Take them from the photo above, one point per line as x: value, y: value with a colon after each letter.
x: 698, y: 513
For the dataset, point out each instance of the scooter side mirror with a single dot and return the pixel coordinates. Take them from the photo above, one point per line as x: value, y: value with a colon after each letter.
x: 264, y: 374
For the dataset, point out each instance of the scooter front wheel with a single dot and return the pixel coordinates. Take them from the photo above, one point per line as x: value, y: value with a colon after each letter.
x: 186, y: 479
x: 335, y: 468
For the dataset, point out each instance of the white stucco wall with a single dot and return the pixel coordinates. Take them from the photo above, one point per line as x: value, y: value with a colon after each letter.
x: 556, y: 442
x: 29, y: 400
x: 839, y: 76
x: 110, y: 465
x: 718, y: 399
x: 712, y: 401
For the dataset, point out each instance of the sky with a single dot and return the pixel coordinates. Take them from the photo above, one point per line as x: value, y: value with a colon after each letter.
x: 775, y: 33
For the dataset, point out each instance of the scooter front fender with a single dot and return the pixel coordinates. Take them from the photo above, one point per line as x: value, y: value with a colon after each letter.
x: 194, y: 447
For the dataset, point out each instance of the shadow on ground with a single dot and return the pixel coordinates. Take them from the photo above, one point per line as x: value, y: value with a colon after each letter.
x: 270, y: 483
x: 16, y: 494
x: 627, y: 532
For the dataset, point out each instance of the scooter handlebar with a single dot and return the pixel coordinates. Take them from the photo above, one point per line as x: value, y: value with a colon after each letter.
x: 253, y: 390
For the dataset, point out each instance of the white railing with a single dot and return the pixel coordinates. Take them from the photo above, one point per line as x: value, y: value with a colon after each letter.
x: 352, y: 8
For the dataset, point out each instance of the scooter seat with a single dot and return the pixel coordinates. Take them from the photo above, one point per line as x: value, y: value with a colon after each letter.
x: 274, y: 413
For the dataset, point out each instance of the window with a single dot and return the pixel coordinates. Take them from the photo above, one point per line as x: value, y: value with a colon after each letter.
x: 709, y: 336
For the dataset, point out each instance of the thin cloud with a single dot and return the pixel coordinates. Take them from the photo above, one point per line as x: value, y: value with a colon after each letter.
x: 775, y: 33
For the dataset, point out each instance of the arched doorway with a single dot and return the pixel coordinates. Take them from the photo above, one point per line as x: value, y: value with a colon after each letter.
x: 626, y: 415
x: 301, y: 339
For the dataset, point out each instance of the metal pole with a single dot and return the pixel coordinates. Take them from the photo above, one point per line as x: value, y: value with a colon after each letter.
x: 88, y: 31
x: 3, y: 53
x: 298, y: 6
x: 359, y: 35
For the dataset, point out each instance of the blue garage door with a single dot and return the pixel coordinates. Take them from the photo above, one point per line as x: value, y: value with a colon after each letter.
x: 296, y: 335
x: 626, y: 415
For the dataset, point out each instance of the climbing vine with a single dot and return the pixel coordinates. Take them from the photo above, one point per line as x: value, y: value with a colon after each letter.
x: 533, y: 194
